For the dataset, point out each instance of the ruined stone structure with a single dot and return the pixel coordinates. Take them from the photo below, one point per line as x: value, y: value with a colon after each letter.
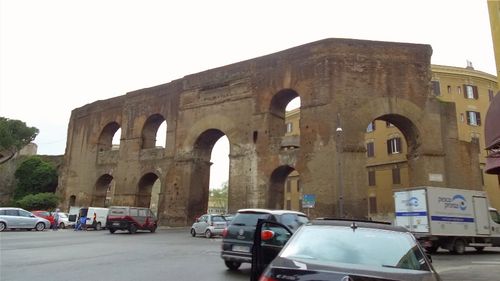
x: 359, y: 81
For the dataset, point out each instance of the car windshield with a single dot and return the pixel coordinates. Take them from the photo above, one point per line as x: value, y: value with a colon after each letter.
x: 248, y: 219
x: 332, y: 245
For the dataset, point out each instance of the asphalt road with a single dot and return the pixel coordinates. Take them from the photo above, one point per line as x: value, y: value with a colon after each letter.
x: 168, y: 254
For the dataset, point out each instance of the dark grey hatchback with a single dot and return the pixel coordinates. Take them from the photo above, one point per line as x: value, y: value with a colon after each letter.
x: 237, y: 238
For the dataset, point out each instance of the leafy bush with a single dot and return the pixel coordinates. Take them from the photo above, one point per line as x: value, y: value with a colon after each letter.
x: 34, y: 176
x: 40, y: 201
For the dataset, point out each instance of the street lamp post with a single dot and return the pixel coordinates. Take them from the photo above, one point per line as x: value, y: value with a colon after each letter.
x: 339, y: 169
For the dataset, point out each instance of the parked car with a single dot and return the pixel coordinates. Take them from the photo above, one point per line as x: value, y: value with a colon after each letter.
x: 340, y: 250
x: 229, y: 217
x: 237, y: 238
x: 44, y: 214
x: 131, y: 219
x: 209, y: 225
x: 19, y: 218
x: 64, y: 221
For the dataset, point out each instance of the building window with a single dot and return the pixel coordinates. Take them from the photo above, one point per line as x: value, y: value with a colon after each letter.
x: 394, y: 146
x: 470, y: 92
x: 490, y: 95
x: 449, y: 89
x: 371, y: 178
x: 298, y: 186
x: 461, y: 117
x: 370, y: 149
x: 289, y: 127
x: 396, y: 176
x: 482, y: 177
x: 288, y: 186
x: 436, y: 88
x: 459, y: 90
x: 373, y: 205
x: 371, y: 127
x: 473, y: 118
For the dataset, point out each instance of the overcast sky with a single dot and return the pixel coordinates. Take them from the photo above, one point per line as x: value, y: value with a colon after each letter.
x: 59, y: 55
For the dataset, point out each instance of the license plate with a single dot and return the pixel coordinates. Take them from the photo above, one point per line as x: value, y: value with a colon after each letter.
x: 116, y: 224
x: 238, y: 248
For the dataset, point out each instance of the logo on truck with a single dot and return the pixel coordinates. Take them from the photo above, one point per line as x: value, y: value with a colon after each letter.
x: 455, y: 202
x: 412, y: 202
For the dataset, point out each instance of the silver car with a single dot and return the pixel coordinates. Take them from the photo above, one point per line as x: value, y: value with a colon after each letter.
x: 20, y: 218
x: 209, y: 225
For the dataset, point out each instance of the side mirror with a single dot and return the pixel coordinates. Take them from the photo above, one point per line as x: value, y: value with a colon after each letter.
x: 32, y: 216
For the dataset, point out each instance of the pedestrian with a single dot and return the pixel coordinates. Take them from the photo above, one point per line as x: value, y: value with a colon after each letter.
x: 55, y: 215
x: 81, y: 223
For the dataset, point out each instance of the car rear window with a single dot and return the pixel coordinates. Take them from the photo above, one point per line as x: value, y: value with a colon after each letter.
x: 249, y: 219
x: 362, y: 246
x: 218, y: 218
x: 118, y: 211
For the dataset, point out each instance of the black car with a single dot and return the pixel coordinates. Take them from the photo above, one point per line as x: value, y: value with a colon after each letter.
x: 237, y: 238
x: 340, y: 250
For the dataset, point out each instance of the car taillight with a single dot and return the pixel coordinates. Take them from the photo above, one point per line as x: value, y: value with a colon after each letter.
x: 266, y: 278
x: 266, y: 235
x: 224, y: 233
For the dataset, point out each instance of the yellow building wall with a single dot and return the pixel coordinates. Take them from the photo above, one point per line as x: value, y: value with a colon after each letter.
x: 494, y: 11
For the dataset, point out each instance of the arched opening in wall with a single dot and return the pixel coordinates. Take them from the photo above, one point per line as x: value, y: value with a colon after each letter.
x: 110, y: 137
x: 201, y: 174
x: 283, y: 186
x: 219, y: 177
x: 285, y: 119
x: 71, y: 201
x: 148, y: 192
x: 390, y: 141
x: 154, y: 132
x: 103, y: 191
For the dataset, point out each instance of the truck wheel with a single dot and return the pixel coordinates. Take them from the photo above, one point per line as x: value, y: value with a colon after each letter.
x: 98, y: 226
x: 459, y: 247
x: 479, y: 249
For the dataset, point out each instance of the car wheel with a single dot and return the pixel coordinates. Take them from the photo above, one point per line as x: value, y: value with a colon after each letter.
x: 153, y: 229
x: 459, y: 246
x: 2, y: 226
x: 98, y: 226
x: 193, y: 232
x: 132, y: 229
x: 62, y: 226
x: 40, y: 226
x: 112, y: 230
x: 208, y: 233
x: 232, y: 265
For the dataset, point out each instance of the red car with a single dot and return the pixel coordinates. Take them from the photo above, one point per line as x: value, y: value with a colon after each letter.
x: 44, y: 214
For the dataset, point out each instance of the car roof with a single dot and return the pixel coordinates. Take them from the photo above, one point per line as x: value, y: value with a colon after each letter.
x: 269, y: 211
x: 353, y: 223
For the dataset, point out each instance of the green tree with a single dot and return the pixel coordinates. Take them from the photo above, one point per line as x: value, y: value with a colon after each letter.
x: 40, y: 201
x: 35, y: 175
x: 14, y: 135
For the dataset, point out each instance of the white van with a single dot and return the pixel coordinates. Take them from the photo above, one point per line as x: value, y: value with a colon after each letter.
x: 96, y: 217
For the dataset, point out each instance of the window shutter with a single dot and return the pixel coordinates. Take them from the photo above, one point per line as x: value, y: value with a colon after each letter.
x: 475, y: 92
x: 373, y: 124
x: 388, y: 146
x: 467, y: 113
x: 478, y: 118
x: 398, y: 144
x: 465, y: 91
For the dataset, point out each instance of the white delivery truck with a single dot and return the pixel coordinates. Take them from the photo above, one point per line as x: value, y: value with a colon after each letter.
x: 448, y: 218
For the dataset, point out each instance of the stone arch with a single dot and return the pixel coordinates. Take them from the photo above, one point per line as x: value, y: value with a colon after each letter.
x: 150, y: 130
x: 105, y: 141
x: 103, y: 185
x: 275, y: 193
x: 277, y: 110
x: 146, y: 187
